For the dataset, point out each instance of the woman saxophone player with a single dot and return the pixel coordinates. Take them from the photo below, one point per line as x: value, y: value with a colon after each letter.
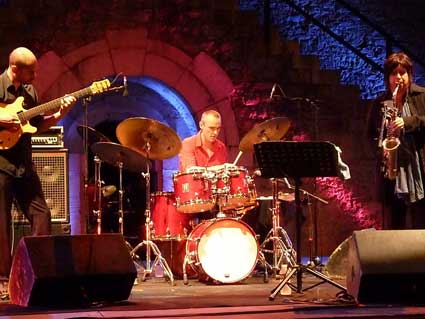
x: 402, y: 191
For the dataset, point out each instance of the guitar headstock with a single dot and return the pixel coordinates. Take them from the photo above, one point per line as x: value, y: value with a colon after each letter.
x: 100, y: 86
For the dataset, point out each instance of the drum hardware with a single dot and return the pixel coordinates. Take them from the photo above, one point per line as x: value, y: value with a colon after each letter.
x: 156, y: 141
x: 282, y: 249
x: 297, y: 160
x: 90, y: 136
x: 123, y: 158
x: 98, y: 194
x: 159, y: 259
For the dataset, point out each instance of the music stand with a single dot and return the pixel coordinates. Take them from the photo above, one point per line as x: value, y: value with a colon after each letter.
x: 297, y: 160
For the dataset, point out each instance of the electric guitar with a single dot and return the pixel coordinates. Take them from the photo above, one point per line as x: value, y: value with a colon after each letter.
x: 11, y: 135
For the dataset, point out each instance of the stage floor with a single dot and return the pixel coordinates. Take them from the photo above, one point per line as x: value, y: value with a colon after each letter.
x: 156, y: 298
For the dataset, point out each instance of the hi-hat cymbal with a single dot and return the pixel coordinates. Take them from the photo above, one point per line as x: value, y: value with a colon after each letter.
x: 93, y: 136
x: 114, y: 154
x: 138, y: 132
x: 282, y: 196
x: 270, y: 130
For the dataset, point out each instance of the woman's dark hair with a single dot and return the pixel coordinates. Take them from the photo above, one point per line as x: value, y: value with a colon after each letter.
x: 395, y: 60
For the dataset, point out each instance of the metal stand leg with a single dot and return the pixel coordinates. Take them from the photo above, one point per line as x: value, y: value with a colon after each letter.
x: 159, y: 259
x: 298, y: 268
x: 282, y: 246
x: 262, y: 260
x: 98, y: 195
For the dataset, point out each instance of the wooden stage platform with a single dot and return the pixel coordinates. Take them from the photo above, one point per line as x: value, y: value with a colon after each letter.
x: 156, y: 298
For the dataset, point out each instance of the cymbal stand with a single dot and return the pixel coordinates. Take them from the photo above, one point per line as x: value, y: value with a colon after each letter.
x: 159, y: 259
x: 98, y: 194
x: 120, y: 165
x: 120, y: 201
x: 282, y: 246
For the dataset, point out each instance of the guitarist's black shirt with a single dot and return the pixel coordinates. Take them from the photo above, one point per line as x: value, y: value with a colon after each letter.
x: 17, y: 160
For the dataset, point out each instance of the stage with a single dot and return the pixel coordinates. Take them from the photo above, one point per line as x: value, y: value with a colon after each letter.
x: 156, y: 298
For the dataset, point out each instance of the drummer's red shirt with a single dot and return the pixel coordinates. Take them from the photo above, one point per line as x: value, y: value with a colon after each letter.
x: 192, y: 153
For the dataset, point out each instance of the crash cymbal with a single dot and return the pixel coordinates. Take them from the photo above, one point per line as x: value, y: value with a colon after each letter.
x: 137, y: 132
x: 113, y: 154
x: 108, y: 190
x: 93, y: 136
x: 270, y: 130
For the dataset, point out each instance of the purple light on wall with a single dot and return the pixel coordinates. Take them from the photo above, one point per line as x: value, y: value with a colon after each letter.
x: 339, y: 192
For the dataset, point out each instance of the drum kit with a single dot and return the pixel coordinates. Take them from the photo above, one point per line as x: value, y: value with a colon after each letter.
x: 223, y: 249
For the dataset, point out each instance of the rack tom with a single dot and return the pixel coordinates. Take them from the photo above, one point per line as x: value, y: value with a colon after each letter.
x: 237, y: 185
x: 193, y: 191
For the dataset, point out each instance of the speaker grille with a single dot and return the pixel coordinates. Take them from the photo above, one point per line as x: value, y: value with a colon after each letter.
x: 52, y: 168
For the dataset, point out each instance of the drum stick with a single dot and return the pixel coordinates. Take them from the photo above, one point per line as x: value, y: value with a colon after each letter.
x: 237, y: 157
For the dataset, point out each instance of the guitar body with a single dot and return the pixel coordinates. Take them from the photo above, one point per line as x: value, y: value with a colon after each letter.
x: 10, y: 136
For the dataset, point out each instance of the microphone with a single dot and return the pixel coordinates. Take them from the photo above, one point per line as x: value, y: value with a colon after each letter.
x: 125, y: 91
x: 272, y: 92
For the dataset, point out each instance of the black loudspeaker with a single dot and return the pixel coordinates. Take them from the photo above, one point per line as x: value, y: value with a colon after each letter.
x: 71, y: 270
x: 52, y: 168
x: 387, y: 266
x: 21, y: 230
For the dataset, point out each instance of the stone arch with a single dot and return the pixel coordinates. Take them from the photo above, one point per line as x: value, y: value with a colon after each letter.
x: 201, y: 82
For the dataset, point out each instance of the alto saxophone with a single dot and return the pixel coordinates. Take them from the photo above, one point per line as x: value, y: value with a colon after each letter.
x: 391, y: 142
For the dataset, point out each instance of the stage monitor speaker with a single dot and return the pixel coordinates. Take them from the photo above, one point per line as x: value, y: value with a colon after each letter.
x: 71, y: 270
x: 52, y: 168
x: 387, y: 266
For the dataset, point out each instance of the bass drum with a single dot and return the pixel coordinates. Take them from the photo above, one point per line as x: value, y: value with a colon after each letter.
x: 224, y: 250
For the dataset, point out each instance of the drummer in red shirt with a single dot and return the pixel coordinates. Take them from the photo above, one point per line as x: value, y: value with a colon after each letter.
x: 204, y: 149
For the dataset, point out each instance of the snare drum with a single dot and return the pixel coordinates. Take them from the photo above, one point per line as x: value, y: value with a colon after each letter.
x: 237, y: 185
x: 167, y: 221
x: 193, y: 191
x: 224, y: 250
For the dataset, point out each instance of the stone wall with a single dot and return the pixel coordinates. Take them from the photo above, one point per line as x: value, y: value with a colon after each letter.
x: 396, y: 19
x: 236, y: 41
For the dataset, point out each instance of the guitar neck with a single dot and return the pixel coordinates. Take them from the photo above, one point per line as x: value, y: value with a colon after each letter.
x: 52, y: 105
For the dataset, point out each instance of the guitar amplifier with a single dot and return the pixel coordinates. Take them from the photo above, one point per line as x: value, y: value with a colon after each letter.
x: 52, y: 168
x: 52, y: 138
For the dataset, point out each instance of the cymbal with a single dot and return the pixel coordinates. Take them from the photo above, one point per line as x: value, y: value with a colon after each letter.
x: 286, y: 196
x: 113, y: 154
x: 282, y: 196
x: 93, y: 136
x: 108, y: 190
x: 270, y: 130
x: 137, y: 132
